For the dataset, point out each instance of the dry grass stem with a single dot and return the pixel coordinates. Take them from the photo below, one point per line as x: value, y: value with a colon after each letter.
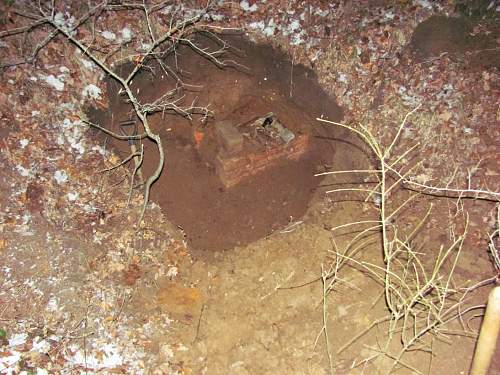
x: 420, y: 298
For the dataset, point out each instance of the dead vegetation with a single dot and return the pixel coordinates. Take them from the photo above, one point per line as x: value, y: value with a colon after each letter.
x: 422, y: 296
x: 163, y: 41
x: 421, y: 292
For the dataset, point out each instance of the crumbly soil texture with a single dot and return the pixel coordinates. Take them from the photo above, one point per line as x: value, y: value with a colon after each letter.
x: 262, y: 80
x: 240, y: 273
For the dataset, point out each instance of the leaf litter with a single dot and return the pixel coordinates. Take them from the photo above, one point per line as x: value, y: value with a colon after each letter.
x: 69, y: 257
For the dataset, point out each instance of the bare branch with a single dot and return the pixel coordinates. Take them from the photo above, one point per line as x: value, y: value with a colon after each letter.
x: 113, y: 134
x: 51, y: 35
x: 123, y: 162
x: 453, y: 193
x: 23, y: 29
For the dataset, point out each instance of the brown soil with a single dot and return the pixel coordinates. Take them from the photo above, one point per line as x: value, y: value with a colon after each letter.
x: 214, y: 217
x: 81, y: 268
x: 455, y: 36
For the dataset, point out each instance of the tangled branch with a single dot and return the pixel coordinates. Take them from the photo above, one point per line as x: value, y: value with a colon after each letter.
x: 420, y: 298
x: 179, y: 31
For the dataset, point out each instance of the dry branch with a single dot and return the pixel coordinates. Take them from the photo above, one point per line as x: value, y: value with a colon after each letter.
x: 178, y: 32
x: 419, y: 299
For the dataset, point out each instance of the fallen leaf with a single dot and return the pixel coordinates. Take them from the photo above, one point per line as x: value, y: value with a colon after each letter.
x: 132, y: 274
x: 198, y: 137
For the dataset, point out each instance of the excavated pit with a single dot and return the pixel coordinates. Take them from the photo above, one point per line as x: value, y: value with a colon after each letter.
x: 229, y: 179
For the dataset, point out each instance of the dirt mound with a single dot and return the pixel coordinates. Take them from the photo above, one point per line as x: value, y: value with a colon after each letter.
x: 456, y: 36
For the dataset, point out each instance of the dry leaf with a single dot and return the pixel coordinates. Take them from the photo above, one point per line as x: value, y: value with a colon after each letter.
x: 445, y: 116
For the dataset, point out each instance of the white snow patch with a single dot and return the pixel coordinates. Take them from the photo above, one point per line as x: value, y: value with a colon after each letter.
x: 167, y: 9
x: 7, y: 363
x: 59, y: 19
x: 423, y: 3
x: 18, y: 339
x: 321, y: 13
x: 257, y: 25
x: 23, y: 142
x: 388, y: 16
x: 110, y: 358
x: 217, y: 17
x: 66, y: 22
x: 61, y: 176
x: 23, y: 171
x: 297, y: 38
x: 408, y: 98
x: 67, y: 106
x: 99, y: 149
x: 72, y: 196
x: 54, y: 82
x: 73, y: 133
x: 64, y: 70
x: 145, y: 46
x: 23, y: 230
x: 109, y: 35
x: 60, y: 139
x: 26, y: 218
x: 92, y: 91
x: 270, y: 28
x: 52, y: 304
x: 54, y: 338
x: 166, y: 351
x: 89, y: 208
x: 342, y: 78
x: 35, y: 113
x: 189, y: 12
x: 40, y: 345
x: 126, y: 34
x: 292, y: 27
x: 87, y: 64
x: 246, y: 6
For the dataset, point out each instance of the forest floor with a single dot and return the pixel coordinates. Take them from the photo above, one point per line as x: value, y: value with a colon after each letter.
x: 228, y: 280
